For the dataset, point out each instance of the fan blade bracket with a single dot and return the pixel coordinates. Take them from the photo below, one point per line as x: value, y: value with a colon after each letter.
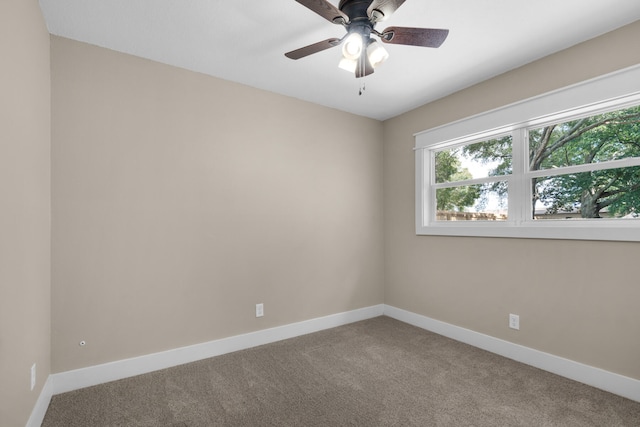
x: 339, y: 20
x: 385, y: 7
x: 376, y: 16
x: 387, y: 35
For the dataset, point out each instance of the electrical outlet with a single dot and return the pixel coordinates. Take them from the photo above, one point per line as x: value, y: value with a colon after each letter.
x: 259, y: 310
x: 514, y: 321
x: 33, y: 376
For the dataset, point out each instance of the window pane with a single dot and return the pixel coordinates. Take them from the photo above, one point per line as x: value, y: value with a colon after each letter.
x: 610, y: 193
x: 479, y: 202
x: 595, y: 139
x: 478, y: 160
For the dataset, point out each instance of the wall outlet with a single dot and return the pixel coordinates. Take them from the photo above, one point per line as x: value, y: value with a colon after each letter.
x: 33, y: 376
x: 259, y: 310
x: 514, y: 321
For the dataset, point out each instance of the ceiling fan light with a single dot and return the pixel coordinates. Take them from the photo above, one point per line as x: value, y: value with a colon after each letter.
x: 348, y: 64
x: 377, y: 53
x: 352, y: 47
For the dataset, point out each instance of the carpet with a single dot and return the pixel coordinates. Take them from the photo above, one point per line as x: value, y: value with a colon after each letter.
x: 377, y: 372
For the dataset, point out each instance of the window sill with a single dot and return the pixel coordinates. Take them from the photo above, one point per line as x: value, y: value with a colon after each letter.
x: 611, y: 230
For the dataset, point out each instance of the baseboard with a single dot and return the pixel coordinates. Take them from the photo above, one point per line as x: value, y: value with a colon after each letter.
x: 40, y: 409
x: 595, y: 377
x: 99, y: 374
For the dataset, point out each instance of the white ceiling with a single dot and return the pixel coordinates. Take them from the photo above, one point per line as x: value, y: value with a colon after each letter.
x: 245, y: 40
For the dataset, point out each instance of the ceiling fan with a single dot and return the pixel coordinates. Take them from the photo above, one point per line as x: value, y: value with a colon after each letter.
x: 361, y: 53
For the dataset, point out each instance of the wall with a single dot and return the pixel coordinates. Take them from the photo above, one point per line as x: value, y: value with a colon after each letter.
x: 576, y: 299
x: 181, y: 200
x: 25, y: 134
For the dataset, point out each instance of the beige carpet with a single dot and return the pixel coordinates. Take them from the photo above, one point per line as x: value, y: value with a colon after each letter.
x: 378, y: 372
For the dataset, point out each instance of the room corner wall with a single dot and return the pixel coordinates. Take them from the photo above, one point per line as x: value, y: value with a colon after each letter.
x: 25, y: 136
x: 576, y: 299
x: 181, y: 200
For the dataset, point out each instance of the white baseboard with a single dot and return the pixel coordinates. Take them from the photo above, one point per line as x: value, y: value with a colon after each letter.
x: 99, y: 374
x: 40, y: 409
x: 596, y: 377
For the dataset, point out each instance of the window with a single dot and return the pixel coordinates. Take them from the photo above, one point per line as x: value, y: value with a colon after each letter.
x: 471, y: 182
x: 564, y: 165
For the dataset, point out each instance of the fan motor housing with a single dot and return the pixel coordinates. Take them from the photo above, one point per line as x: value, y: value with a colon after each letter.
x: 355, y: 9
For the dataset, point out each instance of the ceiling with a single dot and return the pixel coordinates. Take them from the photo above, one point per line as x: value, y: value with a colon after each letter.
x: 245, y: 40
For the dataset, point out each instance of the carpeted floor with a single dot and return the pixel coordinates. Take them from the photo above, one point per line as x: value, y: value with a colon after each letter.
x: 378, y: 372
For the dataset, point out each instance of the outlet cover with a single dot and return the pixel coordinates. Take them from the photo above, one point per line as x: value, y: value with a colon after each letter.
x: 259, y: 310
x: 514, y: 321
x: 33, y: 376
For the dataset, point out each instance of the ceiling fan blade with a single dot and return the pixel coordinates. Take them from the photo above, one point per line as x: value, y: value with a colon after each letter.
x: 427, y: 37
x: 326, y: 10
x: 312, y: 48
x: 364, y: 67
x: 385, y: 6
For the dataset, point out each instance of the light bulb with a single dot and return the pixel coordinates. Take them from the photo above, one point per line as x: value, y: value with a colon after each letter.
x: 377, y: 53
x: 348, y: 64
x: 352, y: 47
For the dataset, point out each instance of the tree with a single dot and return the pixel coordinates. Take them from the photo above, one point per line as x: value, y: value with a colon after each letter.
x: 448, y: 168
x: 603, y: 137
x: 495, y: 151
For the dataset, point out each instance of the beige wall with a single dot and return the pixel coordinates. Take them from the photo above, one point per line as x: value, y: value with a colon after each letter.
x: 25, y: 114
x: 180, y: 201
x: 576, y: 299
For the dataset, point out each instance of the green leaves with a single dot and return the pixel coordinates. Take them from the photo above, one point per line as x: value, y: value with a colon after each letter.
x: 448, y: 169
x: 596, y: 139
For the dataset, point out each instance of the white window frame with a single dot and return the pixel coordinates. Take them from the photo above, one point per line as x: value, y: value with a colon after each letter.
x: 612, y: 91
